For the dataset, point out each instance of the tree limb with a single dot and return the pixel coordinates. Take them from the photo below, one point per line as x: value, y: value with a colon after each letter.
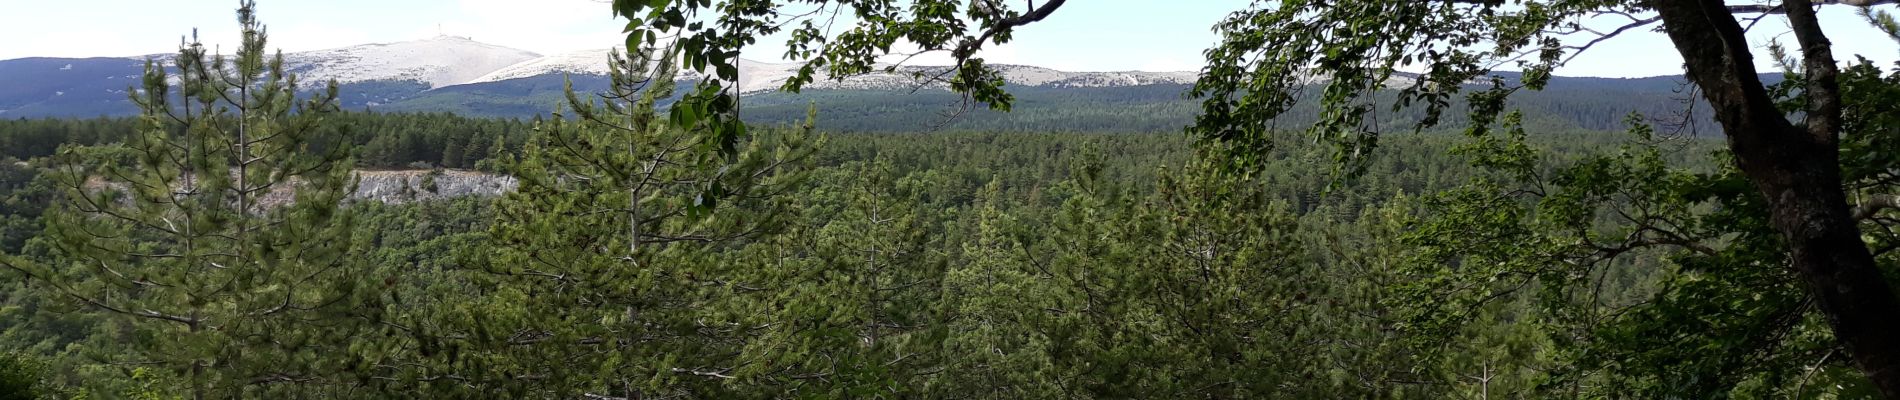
x: 970, y: 46
x: 1750, y: 8
x: 1781, y: 9
x: 1873, y: 204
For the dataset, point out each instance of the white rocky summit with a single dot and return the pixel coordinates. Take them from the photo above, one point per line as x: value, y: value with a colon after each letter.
x: 756, y: 76
x: 445, y: 61
x: 440, y: 61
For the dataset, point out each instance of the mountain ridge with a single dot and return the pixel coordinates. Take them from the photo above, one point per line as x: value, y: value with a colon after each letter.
x: 386, y: 75
x: 459, y: 75
x: 446, y: 60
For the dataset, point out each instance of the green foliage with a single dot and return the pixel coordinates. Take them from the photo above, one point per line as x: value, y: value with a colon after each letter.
x: 711, y: 35
x: 374, y: 140
x: 21, y: 378
x: 1271, y: 56
x: 212, y: 236
x: 1652, y: 277
x: 24, y: 195
x: 670, y: 251
x: 998, y: 265
x: 600, y: 276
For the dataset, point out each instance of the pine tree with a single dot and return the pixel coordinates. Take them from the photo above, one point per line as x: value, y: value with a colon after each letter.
x: 602, y: 278
x: 216, y: 235
x: 995, y: 312
x: 850, y: 291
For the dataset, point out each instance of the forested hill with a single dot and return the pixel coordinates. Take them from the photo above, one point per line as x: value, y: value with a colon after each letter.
x: 1567, y: 104
x: 1125, y: 265
x: 1047, y: 100
x: 1595, y: 104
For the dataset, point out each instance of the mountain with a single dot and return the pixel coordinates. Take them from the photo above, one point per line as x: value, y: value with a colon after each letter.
x: 387, y: 75
x: 438, y: 62
x: 370, y: 75
x: 463, y: 76
x: 36, y: 87
x: 585, y: 62
x: 755, y: 76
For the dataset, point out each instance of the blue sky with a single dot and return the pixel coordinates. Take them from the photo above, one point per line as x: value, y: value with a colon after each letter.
x: 1085, y: 35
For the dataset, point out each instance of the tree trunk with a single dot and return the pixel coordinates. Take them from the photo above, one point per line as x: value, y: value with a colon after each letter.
x: 1797, y: 169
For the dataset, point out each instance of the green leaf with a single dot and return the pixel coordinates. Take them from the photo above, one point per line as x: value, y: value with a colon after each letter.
x: 633, y: 39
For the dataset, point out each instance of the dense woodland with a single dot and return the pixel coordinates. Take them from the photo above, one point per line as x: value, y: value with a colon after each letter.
x: 1084, y: 259
x: 656, y: 250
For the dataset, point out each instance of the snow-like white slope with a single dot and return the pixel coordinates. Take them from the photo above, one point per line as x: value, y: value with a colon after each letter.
x: 755, y: 76
x: 584, y: 62
x: 440, y: 61
x: 1019, y: 75
x: 453, y: 60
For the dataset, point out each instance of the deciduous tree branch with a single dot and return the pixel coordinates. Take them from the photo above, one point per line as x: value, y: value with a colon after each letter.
x: 1873, y: 204
x: 970, y: 46
x: 1782, y: 9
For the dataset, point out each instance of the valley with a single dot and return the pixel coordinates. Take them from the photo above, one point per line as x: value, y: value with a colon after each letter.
x: 1209, y: 200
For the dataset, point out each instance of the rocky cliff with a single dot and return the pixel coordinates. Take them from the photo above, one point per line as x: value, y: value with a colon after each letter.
x: 404, y: 186
x: 393, y: 187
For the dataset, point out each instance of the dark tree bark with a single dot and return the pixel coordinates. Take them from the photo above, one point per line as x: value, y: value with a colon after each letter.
x: 1797, y: 168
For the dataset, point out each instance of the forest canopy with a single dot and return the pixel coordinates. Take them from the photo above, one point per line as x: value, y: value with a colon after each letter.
x: 654, y: 245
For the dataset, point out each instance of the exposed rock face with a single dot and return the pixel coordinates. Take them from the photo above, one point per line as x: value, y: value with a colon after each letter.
x: 392, y: 187
x: 397, y: 187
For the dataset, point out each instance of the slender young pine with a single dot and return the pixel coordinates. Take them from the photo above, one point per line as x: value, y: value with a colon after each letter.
x: 215, y: 230
x: 604, y: 277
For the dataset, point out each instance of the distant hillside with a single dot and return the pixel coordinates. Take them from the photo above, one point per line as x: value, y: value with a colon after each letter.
x: 446, y: 73
x: 1594, y: 104
x: 459, y: 75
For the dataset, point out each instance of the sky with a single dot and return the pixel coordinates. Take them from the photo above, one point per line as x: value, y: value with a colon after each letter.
x: 1085, y: 35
